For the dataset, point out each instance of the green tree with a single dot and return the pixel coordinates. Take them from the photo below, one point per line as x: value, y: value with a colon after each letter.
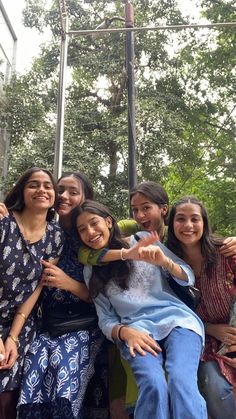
x: 185, y: 91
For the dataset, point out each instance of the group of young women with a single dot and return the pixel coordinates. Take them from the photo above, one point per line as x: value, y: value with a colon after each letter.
x: 136, y: 307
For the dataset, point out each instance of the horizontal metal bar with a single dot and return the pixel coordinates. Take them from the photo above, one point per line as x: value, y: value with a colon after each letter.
x: 154, y: 28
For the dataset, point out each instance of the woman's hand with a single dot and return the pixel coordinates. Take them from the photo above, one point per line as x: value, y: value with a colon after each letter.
x: 2, y: 351
x: 133, y: 252
x: 3, y: 211
x: 222, y: 332
x: 55, y: 277
x: 229, y: 247
x: 152, y: 254
x: 230, y: 361
x: 139, y: 341
x: 11, y: 354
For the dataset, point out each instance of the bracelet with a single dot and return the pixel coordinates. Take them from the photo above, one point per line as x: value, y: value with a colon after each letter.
x: 0, y: 335
x: 121, y: 254
x: 170, y: 265
x: 15, y: 340
x: 118, y: 332
x: 22, y: 315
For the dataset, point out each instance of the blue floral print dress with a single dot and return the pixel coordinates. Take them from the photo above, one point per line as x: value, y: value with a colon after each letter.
x: 58, y: 369
x: 20, y: 271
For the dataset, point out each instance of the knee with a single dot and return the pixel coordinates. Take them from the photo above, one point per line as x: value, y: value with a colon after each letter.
x: 209, y: 380
x: 153, y: 385
x: 207, y: 385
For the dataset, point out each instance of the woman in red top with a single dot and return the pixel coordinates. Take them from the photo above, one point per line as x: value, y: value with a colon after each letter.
x: 190, y: 238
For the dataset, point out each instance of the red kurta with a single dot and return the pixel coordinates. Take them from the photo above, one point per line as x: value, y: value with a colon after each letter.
x: 217, y: 290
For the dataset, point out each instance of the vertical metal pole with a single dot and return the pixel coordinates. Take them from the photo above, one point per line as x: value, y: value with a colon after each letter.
x: 129, y: 23
x: 61, y: 102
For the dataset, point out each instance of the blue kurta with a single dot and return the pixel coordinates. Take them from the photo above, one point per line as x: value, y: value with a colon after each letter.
x: 57, y: 370
x: 149, y: 304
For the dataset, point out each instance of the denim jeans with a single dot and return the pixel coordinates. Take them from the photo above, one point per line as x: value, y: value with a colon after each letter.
x: 217, y: 391
x: 177, y: 397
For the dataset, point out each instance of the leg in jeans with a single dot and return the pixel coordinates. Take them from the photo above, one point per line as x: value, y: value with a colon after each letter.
x: 152, y: 401
x: 217, y: 391
x: 183, y: 349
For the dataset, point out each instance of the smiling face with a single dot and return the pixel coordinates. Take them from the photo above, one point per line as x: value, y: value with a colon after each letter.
x: 70, y: 193
x: 188, y: 224
x: 148, y: 215
x: 94, y: 230
x: 39, y: 191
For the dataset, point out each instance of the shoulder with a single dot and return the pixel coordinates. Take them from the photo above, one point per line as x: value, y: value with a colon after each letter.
x: 128, y: 226
x: 8, y: 223
x: 53, y: 226
x: 55, y: 234
x: 223, y: 265
x: 221, y: 259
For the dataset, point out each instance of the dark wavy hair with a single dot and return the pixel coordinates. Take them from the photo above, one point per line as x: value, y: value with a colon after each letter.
x: 117, y: 271
x: 84, y: 180
x: 155, y: 192
x: 208, y: 241
x: 14, y: 200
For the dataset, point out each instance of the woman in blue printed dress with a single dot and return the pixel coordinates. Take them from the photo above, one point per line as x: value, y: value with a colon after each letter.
x: 58, y: 369
x: 27, y: 235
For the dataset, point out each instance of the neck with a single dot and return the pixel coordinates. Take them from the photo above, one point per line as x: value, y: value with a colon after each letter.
x: 193, y: 256
x: 32, y: 225
x: 65, y: 223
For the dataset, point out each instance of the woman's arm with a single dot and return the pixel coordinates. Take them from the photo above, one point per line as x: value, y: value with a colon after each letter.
x: 2, y: 350
x: 153, y: 254
x: 137, y: 340
x: 53, y: 276
x: 88, y: 256
x: 229, y: 247
x: 12, y: 342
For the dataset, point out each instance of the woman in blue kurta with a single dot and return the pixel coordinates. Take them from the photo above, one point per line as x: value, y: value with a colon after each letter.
x: 137, y: 309
x: 27, y: 235
x: 58, y: 369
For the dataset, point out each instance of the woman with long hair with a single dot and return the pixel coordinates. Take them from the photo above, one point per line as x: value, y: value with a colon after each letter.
x: 60, y: 361
x: 27, y: 235
x: 190, y: 237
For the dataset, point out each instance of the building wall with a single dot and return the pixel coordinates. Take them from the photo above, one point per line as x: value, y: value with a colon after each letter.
x: 8, y: 42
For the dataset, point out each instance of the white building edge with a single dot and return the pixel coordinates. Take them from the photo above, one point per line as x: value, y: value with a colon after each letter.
x: 8, y: 44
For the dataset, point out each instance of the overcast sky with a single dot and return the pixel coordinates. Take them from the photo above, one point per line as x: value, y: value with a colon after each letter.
x: 29, y: 39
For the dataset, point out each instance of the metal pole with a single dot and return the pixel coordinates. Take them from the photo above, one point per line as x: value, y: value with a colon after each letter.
x: 129, y: 23
x: 86, y: 32
x: 58, y: 157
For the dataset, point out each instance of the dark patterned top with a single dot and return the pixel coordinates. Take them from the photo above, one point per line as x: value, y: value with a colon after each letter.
x: 20, y: 271
x: 58, y: 369
x: 217, y: 290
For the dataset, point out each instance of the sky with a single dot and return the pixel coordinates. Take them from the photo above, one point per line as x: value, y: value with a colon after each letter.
x: 29, y: 39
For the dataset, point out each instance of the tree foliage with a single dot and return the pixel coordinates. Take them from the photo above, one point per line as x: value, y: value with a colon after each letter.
x: 185, y: 104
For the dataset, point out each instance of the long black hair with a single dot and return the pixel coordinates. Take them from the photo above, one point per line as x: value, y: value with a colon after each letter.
x: 208, y: 241
x: 14, y: 200
x: 117, y: 271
